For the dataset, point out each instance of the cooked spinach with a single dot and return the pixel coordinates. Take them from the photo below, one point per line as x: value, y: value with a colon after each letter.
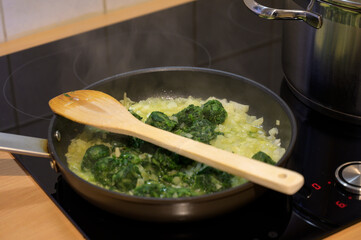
x: 104, y: 169
x: 199, y: 122
x: 126, y: 178
x: 130, y: 165
x: 200, y: 130
x: 261, y: 156
x: 188, y: 115
x: 161, y: 120
x: 214, y: 111
x: 93, y: 154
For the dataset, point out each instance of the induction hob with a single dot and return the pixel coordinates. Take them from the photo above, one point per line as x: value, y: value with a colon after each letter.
x: 218, y: 34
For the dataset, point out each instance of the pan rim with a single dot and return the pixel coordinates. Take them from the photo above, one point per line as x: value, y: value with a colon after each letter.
x: 206, y: 197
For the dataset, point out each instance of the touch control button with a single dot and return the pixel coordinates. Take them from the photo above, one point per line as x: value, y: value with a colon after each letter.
x: 349, y: 176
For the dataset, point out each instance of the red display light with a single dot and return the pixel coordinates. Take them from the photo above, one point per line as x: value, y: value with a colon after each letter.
x: 316, y: 186
x: 341, y: 204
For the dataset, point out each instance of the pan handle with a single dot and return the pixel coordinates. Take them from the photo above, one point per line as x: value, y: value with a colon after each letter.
x: 24, y: 145
x: 313, y: 19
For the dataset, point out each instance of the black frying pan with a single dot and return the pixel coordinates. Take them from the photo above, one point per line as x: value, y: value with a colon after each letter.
x: 176, y: 82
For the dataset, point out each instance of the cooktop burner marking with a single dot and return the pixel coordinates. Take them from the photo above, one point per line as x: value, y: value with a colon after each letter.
x: 11, y: 76
x: 34, y: 63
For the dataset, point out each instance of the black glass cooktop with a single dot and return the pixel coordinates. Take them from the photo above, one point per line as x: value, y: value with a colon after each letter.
x: 218, y: 34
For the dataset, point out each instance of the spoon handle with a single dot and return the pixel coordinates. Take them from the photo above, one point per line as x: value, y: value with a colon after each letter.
x: 273, y: 177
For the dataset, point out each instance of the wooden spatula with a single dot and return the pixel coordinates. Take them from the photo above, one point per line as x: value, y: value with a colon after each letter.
x: 100, y: 110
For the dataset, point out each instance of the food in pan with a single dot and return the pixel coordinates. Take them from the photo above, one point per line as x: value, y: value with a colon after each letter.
x: 129, y: 165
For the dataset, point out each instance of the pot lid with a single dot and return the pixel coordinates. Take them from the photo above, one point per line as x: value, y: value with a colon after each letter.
x: 354, y: 4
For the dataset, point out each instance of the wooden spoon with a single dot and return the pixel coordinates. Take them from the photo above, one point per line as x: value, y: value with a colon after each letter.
x: 100, y: 110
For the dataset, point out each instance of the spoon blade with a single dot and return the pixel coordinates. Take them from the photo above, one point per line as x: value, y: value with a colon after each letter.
x: 90, y: 107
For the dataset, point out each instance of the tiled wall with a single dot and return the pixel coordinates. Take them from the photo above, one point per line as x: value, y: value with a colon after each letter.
x: 22, y: 17
x: 2, y: 36
x: 115, y: 4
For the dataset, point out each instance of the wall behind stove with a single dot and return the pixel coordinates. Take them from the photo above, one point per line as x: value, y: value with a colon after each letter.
x: 19, y: 18
x: 2, y: 35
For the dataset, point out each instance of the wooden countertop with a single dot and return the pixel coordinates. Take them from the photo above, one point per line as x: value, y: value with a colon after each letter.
x: 350, y: 233
x: 26, y: 211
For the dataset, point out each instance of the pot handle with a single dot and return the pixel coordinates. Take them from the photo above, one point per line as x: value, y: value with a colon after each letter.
x: 313, y: 19
x: 24, y: 145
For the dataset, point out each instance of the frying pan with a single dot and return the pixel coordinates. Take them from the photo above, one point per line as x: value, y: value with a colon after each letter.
x: 173, y: 82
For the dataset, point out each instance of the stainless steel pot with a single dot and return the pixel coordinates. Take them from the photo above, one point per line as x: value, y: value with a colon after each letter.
x: 322, y: 59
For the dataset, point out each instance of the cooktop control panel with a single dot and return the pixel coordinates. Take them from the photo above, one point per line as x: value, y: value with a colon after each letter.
x: 343, y: 205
